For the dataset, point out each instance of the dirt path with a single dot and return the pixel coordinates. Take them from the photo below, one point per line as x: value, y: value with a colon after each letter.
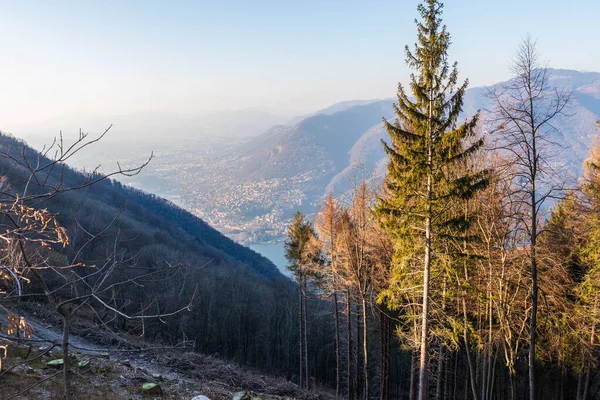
x: 112, y: 372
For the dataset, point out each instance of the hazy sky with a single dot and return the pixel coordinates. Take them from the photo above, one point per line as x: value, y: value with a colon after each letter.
x: 116, y: 57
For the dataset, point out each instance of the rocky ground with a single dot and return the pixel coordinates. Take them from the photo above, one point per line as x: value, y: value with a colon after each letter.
x: 32, y: 369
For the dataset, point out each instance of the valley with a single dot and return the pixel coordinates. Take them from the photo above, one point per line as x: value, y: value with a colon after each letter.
x: 300, y: 200
x: 249, y: 188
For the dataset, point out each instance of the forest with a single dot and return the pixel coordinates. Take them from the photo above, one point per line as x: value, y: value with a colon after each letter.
x: 470, y: 272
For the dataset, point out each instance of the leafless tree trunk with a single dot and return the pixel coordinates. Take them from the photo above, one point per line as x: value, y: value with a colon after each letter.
x: 365, y: 349
x: 301, y: 333
x: 439, y: 375
x: 65, y: 351
x: 338, y: 366
x: 523, y: 113
x: 351, y: 374
x: 357, y: 353
x: 413, y: 381
x: 306, y: 335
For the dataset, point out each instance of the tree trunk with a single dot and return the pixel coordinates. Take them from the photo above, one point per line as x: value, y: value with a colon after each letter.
x: 440, y: 371
x: 65, y: 351
x: 365, y: 350
x: 424, y: 356
x: 350, y: 352
x: 586, y: 385
x: 384, y: 391
x: 306, y: 336
x: 562, y: 384
x: 534, y: 299
x: 446, y: 380
x: 338, y: 367
x: 301, y: 334
x: 513, y: 386
x: 492, y: 377
x: 455, y: 383
x: 470, y: 362
x: 357, y: 354
x: 413, y: 382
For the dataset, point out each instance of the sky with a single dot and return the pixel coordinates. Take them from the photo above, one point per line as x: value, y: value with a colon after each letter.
x: 115, y: 57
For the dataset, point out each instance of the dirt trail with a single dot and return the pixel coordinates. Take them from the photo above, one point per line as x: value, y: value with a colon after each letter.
x: 45, y: 333
x: 114, y: 372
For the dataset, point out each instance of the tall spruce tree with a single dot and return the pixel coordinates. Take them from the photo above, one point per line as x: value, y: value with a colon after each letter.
x: 424, y: 178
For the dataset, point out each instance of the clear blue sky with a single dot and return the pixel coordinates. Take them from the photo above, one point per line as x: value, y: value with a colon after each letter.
x: 120, y: 56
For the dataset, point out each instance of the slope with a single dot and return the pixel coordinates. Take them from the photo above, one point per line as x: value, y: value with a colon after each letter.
x: 234, y: 302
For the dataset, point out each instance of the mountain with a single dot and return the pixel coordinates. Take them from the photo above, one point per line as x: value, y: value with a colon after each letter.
x: 248, y: 188
x: 144, y: 255
x: 332, y: 109
x: 293, y: 167
x: 317, y: 146
x: 144, y: 214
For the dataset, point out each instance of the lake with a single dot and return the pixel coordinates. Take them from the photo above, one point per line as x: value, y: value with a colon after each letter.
x: 274, y: 252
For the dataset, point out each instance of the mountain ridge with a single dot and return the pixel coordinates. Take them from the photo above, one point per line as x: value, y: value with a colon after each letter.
x: 249, y: 189
x: 329, y: 149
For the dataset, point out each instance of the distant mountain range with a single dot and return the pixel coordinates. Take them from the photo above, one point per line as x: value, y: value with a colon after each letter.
x: 248, y: 188
x: 256, y: 185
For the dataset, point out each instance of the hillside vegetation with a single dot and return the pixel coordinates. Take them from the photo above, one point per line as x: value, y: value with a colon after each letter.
x: 142, y: 256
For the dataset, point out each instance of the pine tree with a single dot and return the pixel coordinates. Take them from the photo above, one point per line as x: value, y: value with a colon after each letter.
x: 425, y: 147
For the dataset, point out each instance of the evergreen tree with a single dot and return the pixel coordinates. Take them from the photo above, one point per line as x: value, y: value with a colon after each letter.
x: 426, y: 146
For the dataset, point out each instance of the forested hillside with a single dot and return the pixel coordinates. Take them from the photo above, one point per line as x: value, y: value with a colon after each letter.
x: 443, y: 245
x: 135, y: 255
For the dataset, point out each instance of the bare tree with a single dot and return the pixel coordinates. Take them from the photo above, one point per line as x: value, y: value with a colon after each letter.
x: 524, y: 111
x: 30, y: 232
x: 327, y: 224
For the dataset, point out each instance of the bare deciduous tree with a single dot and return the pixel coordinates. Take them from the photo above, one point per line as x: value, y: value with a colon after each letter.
x: 524, y: 111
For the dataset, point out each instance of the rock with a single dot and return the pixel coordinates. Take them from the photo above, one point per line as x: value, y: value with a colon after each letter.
x: 151, y: 389
x: 241, y: 396
x: 83, y: 363
x: 200, y: 398
x: 58, y: 363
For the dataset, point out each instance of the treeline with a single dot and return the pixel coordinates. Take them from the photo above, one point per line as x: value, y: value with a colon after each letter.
x: 472, y: 272
x: 480, y: 294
